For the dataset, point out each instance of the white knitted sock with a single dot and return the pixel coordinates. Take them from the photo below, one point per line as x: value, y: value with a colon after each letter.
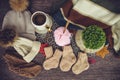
x: 68, y: 59
x: 48, y: 52
x: 81, y: 64
x: 53, y: 61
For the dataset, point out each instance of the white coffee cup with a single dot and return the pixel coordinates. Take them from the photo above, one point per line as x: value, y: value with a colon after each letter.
x: 41, y: 21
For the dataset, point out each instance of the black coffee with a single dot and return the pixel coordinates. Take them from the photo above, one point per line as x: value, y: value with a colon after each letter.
x: 39, y: 19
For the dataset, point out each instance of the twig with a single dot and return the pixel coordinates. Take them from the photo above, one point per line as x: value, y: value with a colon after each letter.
x: 66, y: 26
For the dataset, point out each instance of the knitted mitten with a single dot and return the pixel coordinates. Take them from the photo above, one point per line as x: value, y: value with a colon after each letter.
x: 42, y: 49
x: 48, y: 52
x: 53, y: 61
x: 68, y: 58
x: 81, y: 64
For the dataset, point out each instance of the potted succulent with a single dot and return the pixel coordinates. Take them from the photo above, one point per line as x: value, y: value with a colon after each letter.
x: 91, y: 40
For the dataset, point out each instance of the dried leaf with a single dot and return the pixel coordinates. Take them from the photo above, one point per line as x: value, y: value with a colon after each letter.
x: 103, y: 52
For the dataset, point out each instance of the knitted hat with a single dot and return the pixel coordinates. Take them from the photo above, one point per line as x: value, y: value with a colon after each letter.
x: 28, y: 49
x: 20, y: 22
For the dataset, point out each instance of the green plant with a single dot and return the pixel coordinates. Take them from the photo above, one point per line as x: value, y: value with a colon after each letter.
x: 93, y: 37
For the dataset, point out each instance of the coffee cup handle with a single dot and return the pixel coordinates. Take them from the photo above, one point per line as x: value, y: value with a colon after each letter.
x: 48, y: 28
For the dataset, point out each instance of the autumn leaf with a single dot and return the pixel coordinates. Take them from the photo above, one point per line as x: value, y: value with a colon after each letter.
x: 103, y: 52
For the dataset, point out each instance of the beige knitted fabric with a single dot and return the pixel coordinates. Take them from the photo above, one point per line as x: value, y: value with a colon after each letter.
x: 53, y: 62
x: 68, y: 59
x: 48, y: 52
x: 116, y: 36
x: 81, y: 64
